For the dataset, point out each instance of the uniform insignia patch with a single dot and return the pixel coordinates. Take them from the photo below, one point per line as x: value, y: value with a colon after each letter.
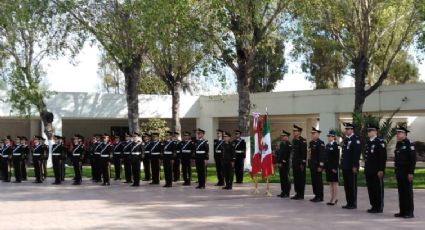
x: 383, y: 145
x: 358, y: 141
x: 404, y: 147
x: 412, y: 147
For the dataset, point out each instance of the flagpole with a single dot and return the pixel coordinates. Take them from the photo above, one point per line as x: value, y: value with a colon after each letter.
x: 255, y: 191
x: 268, y: 193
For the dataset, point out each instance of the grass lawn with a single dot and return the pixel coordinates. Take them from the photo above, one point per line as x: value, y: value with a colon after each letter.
x: 389, y: 181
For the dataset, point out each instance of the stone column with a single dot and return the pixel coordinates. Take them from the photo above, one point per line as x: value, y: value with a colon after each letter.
x: 210, y: 125
x: 327, y: 122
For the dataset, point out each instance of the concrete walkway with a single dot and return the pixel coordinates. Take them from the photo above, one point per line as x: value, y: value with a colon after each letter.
x: 91, y: 206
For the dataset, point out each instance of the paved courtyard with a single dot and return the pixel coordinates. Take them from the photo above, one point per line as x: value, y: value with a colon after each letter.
x: 90, y: 206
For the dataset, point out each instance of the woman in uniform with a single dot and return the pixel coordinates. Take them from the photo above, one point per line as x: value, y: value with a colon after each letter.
x: 332, y: 165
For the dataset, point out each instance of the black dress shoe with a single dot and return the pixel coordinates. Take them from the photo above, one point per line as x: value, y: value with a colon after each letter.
x: 56, y: 183
x: 349, y: 207
x: 313, y: 200
x: 17, y: 181
x: 294, y: 197
x: 285, y: 196
x: 134, y: 185
x: 398, y: 215
x: 76, y: 183
x: 200, y: 187
x: 219, y: 184
x: 408, y: 216
x: 280, y: 195
x: 167, y: 186
x: 186, y: 184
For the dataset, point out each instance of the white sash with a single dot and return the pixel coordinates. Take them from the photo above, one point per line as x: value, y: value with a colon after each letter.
x: 219, y: 144
x: 197, y: 147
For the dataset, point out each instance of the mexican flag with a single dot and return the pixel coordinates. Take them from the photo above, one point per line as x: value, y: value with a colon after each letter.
x: 266, y: 150
x: 256, y: 158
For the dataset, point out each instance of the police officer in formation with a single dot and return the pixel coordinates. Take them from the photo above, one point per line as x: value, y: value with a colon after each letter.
x: 1, y: 156
x: 168, y: 156
x: 405, y: 163
x: 240, y: 149
x: 188, y: 153
x: 95, y: 148
x: 118, y: 147
x: 177, y: 159
x: 38, y: 155
x: 375, y: 159
x: 317, y: 164
x: 18, y: 155
x: 228, y: 152
x: 137, y: 151
x: 201, y: 157
x: 44, y: 159
x: 106, y: 151
x: 218, y: 157
x: 26, y: 152
x: 350, y: 165
x: 155, y: 157
x: 77, y: 157
x: 332, y: 166
x: 127, y: 158
x: 146, y: 157
x: 299, y: 158
x: 283, y: 162
x: 59, y: 153
x: 6, y: 158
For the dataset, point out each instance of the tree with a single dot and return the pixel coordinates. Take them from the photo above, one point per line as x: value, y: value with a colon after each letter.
x: 324, y: 62
x: 369, y: 32
x: 176, y: 45
x: 119, y: 27
x: 155, y: 125
x: 269, y: 66
x: 240, y: 27
x: 403, y: 71
x: 112, y: 79
x: 30, y: 31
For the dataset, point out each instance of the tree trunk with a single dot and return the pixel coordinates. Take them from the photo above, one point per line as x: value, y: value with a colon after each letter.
x: 47, y: 119
x: 132, y: 74
x: 244, y: 77
x: 360, y: 73
x: 175, y: 108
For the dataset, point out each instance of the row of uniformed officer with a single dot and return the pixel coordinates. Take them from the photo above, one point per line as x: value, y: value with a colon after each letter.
x: 240, y: 151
